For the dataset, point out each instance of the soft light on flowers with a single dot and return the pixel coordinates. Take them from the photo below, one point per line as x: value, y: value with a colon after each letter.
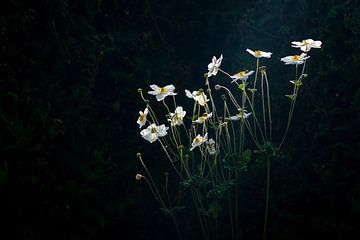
x: 295, y: 59
x: 213, y: 67
x: 210, y: 146
x: 162, y: 92
x: 306, y: 45
x: 198, y: 140
x: 198, y: 96
x: 242, y: 75
x: 153, y: 132
x: 142, y: 118
x: 242, y: 114
x: 259, y: 53
x: 203, y: 118
x: 177, y: 117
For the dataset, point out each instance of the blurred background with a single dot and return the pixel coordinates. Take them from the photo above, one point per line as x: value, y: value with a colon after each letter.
x: 70, y: 71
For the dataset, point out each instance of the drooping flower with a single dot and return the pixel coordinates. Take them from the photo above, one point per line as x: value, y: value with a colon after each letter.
x: 198, y: 96
x: 162, y: 92
x: 259, y: 53
x: 203, y: 118
x: 242, y: 75
x: 213, y: 67
x: 210, y: 146
x: 198, y: 140
x: 242, y: 114
x: 306, y: 45
x: 142, y: 118
x: 153, y: 132
x: 177, y: 117
x: 295, y: 59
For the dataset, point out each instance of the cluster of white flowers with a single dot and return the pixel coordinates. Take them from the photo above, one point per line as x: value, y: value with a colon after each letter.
x: 153, y: 132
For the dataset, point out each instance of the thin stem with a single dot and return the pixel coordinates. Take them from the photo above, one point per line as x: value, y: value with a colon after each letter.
x: 267, y: 196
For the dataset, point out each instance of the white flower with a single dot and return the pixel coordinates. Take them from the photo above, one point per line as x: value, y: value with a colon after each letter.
x: 259, y: 53
x: 295, y: 59
x: 203, y: 118
x: 213, y: 67
x: 242, y: 75
x: 210, y: 146
x: 306, y: 45
x: 242, y: 114
x: 153, y: 132
x: 198, y: 140
x: 142, y: 118
x: 162, y: 92
x: 198, y: 96
x: 176, y: 118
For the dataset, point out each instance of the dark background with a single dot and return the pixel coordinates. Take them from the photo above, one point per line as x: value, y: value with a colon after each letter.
x: 70, y: 71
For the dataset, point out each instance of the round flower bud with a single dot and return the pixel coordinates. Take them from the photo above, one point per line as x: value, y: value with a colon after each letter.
x: 138, y: 176
x: 217, y: 87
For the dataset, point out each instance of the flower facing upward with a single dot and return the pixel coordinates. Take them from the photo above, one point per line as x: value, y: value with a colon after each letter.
x: 295, y: 59
x: 242, y: 114
x: 306, y: 45
x: 213, y: 67
x: 242, y: 75
x: 259, y: 53
x: 142, y: 118
x: 153, y: 132
x: 162, y: 92
x: 203, y: 118
x: 198, y: 140
x: 210, y: 146
x: 198, y: 96
x: 176, y: 118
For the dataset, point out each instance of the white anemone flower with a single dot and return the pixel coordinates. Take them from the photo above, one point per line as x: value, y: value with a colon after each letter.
x: 210, y: 146
x: 203, y: 118
x: 213, y: 67
x: 295, y: 59
x: 153, y: 132
x: 259, y: 53
x: 198, y: 96
x: 198, y: 140
x: 142, y: 118
x: 177, y: 117
x: 306, y: 45
x: 242, y: 114
x: 242, y: 75
x: 162, y: 92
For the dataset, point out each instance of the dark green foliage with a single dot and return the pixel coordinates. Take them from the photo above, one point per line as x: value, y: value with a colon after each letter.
x: 68, y: 106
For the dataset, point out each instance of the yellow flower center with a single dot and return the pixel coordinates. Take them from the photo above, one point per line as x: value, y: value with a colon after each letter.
x: 163, y: 90
x: 296, y: 57
x: 257, y: 52
x: 142, y: 117
x: 202, y: 118
x: 153, y: 130
x: 241, y: 73
x: 197, y: 140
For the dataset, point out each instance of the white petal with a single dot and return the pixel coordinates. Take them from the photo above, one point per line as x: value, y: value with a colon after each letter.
x: 153, y: 92
x: 188, y: 94
x: 154, y: 87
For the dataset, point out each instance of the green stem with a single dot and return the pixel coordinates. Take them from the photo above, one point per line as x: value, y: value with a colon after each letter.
x: 267, y: 196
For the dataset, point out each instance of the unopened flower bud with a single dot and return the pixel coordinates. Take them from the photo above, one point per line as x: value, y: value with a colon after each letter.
x: 217, y: 87
x: 138, y: 176
x: 139, y: 90
x: 138, y: 155
x: 166, y: 174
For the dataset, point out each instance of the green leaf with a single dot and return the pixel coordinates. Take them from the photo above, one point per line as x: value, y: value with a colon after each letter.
x: 242, y: 86
x: 247, y: 155
x: 292, y: 96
